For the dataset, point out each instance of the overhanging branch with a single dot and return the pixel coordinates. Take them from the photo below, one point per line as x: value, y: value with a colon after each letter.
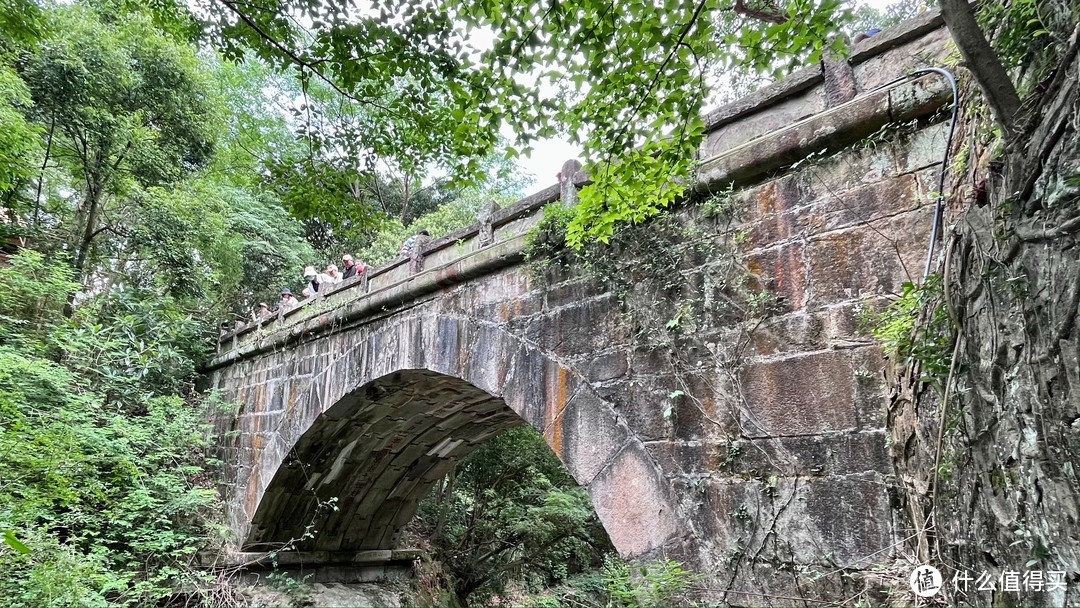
x: 761, y: 14
x: 984, y: 63
x: 298, y: 60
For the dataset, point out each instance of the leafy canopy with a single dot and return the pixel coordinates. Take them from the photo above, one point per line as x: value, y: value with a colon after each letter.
x: 126, y: 99
x: 436, y: 81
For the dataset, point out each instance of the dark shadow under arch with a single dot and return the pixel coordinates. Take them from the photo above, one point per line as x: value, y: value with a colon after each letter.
x: 356, y: 477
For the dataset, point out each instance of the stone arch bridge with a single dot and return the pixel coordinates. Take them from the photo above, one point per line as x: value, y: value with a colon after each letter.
x: 361, y: 400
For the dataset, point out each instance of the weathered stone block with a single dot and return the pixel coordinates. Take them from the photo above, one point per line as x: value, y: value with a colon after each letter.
x: 587, y: 436
x: 839, y: 519
x: 631, y: 500
x: 640, y: 403
x: 584, y: 327
x: 864, y: 204
x: 870, y: 399
x: 923, y: 149
x: 538, y: 388
x: 608, y: 366
x: 805, y: 456
x: 488, y: 361
x: 781, y: 271
x: 800, y: 395
x: 794, y: 332
x: 862, y: 452
x: 572, y: 291
x: 755, y: 125
x: 929, y: 49
x: 867, y: 260
x: 765, y: 209
x: 705, y: 409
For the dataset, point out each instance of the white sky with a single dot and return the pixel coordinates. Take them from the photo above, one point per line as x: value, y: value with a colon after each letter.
x: 549, y: 155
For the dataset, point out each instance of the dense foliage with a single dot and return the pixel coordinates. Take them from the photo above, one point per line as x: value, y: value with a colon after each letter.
x: 511, y: 513
x: 101, y: 457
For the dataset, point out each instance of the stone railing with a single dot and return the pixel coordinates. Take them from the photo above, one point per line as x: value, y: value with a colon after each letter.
x: 812, y: 110
x: 442, y: 257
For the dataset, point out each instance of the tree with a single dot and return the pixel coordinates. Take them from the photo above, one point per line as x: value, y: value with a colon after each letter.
x: 985, y: 65
x: 125, y: 107
x: 20, y: 27
x: 626, y: 79
x: 454, y: 215
x: 18, y: 138
x: 511, y: 512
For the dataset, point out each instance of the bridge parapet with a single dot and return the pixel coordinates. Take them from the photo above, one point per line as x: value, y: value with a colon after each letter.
x: 501, y: 225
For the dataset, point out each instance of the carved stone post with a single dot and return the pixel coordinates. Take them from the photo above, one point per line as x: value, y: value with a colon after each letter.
x: 839, y: 79
x: 416, y: 254
x: 567, y: 190
x: 223, y: 328
x: 487, y: 230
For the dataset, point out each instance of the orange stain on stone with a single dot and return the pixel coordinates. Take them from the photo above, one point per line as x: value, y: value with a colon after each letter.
x: 253, y: 481
x: 556, y: 404
x: 767, y: 201
x: 754, y: 265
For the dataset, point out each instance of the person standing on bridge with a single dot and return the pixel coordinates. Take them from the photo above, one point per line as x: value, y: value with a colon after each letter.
x: 412, y: 242
x: 314, y: 279
x: 288, y: 301
x: 332, y: 275
x: 262, y: 312
x: 352, y: 267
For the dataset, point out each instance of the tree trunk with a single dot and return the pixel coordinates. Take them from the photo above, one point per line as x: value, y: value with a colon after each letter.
x: 44, y: 165
x: 984, y: 64
x: 405, y: 199
x: 92, y: 206
x: 989, y: 477
x: 82, y: 252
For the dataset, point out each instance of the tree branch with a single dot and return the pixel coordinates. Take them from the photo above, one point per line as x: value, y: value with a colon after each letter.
x: 663, y: 65
x: 296, y: 59
x: 759, y: 14
x: 984, y: 63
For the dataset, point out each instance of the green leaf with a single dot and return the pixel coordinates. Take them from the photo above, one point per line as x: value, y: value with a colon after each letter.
x: 15, y: 543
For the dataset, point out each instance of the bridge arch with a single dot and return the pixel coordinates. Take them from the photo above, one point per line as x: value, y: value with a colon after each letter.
x: 360, y: 427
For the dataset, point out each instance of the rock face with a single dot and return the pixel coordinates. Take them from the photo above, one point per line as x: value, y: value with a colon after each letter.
x: 720, y: 404
x: 992, y: 472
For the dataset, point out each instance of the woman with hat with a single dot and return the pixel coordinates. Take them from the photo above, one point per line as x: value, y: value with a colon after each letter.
x: 288, y: 300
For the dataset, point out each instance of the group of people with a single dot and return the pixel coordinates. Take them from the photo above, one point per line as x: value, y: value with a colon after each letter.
x: 313, y: 282
x: 331, y: 275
